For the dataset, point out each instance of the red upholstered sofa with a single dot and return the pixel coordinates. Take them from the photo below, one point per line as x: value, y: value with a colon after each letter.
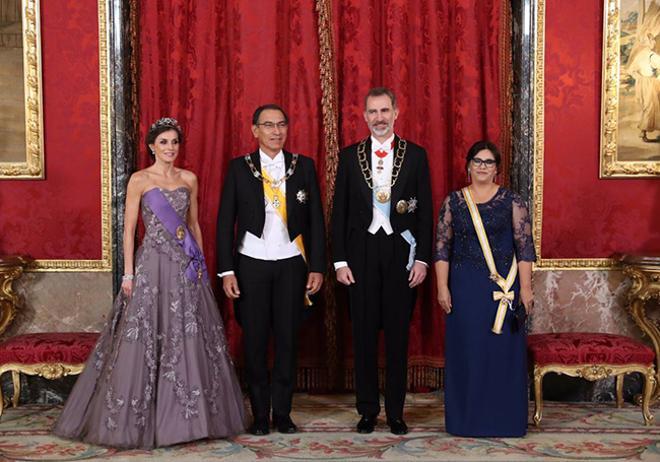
x: 50, y: 355
x: 592, y: 356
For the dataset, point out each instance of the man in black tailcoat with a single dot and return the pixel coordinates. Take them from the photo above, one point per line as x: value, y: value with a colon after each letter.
x: 382, y: 225
x: 273, y: 262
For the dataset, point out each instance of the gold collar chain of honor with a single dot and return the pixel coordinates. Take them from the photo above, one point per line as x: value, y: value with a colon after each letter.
x: 274, y: 183
x: 381, y: 196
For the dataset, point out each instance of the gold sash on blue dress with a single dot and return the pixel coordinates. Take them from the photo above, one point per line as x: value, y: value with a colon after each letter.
x: 506, y: 296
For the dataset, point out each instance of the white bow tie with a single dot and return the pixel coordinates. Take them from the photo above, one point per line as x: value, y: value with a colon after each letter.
x: 268, y: 162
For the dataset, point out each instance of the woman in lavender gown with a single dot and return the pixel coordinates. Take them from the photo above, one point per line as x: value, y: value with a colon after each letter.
x: 485, y: 294
x: 160, y: 373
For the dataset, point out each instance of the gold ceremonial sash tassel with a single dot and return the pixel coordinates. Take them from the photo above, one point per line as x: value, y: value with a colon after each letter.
x: 506, y: 295
x: 273, y: 195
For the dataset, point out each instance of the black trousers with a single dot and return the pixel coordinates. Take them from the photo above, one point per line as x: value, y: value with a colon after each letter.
x: 271, y: 300
x: 381, y: 297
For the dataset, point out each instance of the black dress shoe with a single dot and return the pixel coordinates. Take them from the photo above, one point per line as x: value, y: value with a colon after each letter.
x: 397, y: 426
x: 366, y: 424
x: 259, y: 427
x: 284, y: 424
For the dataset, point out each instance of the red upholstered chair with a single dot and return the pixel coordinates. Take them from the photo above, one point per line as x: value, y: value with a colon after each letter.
x: 50, y: 355
x: 592, y: 356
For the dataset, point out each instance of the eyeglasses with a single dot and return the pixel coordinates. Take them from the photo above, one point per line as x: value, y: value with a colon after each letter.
x: 488, y: 163
x: 271, y: 125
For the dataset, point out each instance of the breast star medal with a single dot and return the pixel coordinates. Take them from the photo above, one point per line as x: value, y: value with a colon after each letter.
x: 301, y: 196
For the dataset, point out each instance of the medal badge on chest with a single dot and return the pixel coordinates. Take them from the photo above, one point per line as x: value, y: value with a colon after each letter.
x: 276, y: 201
x: 301, y: 196
x: 381, y: 155
x: 273, y: 185
x: 383, y: 195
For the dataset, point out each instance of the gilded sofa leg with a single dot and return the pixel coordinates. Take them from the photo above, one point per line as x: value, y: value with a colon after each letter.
x: 619, y: 390
x: 538, y: 395
x: 649, y: 387
x: 16, y: 380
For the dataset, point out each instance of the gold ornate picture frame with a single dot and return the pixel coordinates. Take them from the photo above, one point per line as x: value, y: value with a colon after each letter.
x: 548, y: 264
x: 105, y: 263
x: 16, y: 162
x: 630, y: 105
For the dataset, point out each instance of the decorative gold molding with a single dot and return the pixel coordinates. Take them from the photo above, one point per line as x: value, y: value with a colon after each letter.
x: 105, y: 263
x: 33, y: 167
x: 549, y: 264
x: 48, y: 371
x: 567, y: 264
x: 594, y: 372
x: 645, y: 286
x: 11, y: 269
x: 610, y: 166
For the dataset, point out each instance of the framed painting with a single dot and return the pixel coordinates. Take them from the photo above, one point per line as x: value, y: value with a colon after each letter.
x: 630, y: 107
x: 21, y: 108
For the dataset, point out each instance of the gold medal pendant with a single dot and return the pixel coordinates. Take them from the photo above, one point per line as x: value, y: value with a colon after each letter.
x: 383, y: 196
x: 180, y: 232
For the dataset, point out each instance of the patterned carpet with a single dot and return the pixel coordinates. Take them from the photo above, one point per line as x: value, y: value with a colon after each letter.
x: 570, y: 432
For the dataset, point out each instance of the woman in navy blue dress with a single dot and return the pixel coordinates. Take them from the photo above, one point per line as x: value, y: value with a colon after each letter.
x: 485, y: 373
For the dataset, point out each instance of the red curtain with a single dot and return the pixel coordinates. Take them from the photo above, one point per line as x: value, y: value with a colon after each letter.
x: 210, y: 64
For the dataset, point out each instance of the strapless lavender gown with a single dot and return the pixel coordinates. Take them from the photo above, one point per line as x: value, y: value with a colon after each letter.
x: 160, y: 373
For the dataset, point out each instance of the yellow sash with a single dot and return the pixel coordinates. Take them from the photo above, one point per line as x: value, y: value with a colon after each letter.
x: 506, y: 295
x: 271, y: 192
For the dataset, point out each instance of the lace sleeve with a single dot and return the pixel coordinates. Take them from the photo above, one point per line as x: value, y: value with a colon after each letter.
x: 522, y: 231
x: 444, y: 234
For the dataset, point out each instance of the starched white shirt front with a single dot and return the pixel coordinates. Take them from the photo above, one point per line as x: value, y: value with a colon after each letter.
x: 382, y: 181
x: 274, y: 243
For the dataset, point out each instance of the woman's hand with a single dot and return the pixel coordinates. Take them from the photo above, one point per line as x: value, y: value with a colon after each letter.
x: 444, y: 298
x: 127, y: 287
x: 527, y: 298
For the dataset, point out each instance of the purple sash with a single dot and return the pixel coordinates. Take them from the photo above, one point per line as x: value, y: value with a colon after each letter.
x: 174, y: 224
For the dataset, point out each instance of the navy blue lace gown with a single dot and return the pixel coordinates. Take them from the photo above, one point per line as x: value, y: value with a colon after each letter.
x: 485, y: 373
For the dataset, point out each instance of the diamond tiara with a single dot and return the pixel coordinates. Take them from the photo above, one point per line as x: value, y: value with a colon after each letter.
x: 166, y: 122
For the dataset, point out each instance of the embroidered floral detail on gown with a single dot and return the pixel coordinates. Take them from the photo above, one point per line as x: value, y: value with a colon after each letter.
x: 485, y: 373
x: 160, y: 373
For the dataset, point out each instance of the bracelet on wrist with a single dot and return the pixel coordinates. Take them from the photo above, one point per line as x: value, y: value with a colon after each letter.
x: 127, y: 277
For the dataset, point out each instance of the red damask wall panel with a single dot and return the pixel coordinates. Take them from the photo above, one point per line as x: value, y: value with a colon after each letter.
x: 60, y: 217
x: 584, y: 216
